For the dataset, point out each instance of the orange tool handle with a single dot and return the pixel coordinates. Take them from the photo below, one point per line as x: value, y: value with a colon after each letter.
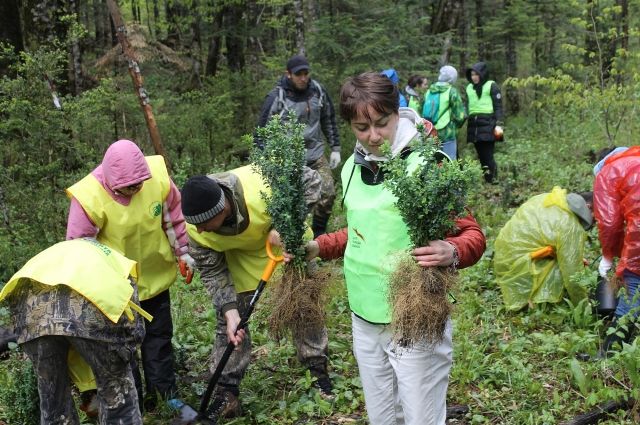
x: 544, y: 252
x: 273, y: 262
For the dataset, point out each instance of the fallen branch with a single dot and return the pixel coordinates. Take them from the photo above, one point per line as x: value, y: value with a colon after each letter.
x: 600, y: 412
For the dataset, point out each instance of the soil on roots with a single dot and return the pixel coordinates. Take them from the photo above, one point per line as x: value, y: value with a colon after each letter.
x: 419, y: 302
x: 297, y: 302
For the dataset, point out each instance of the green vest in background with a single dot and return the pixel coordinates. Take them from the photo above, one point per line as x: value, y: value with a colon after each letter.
x: 377, y: 236
x: 444, y: 110
x: 415, y: 103
x: 482, y: 105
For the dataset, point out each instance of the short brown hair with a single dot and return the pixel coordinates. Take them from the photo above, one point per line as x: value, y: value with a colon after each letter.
x: 368, y: 89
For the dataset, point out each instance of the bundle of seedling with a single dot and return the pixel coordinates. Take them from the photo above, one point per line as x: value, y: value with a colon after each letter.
x: 296, y: 301
x: 430, y: 196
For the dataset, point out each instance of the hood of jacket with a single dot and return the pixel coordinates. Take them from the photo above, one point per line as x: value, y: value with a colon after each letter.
x: 481, y: 69
x: 124, y: 165
x: 405, y: 133
x: 439, y: 87
x: 411, y: 92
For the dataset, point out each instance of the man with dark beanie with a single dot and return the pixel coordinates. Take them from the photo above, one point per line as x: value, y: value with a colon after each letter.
x: 296, y: 92
x: 228, y: 227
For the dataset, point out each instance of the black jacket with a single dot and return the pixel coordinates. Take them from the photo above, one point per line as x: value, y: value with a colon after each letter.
x: 480, y: 126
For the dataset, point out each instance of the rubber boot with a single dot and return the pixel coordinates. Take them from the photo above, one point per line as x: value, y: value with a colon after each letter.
x: 319, y: 225
x: 614, y: 341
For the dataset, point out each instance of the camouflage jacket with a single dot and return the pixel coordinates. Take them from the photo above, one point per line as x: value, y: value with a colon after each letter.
x: 212, y: 264
x: 39, y: 310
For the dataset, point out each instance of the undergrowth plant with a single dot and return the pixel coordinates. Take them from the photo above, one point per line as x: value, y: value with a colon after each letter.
x: 297, y: 302
x: 431, y: 195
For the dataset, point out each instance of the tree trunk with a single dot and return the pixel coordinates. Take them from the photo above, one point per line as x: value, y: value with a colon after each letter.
x: 465, y: 29
x: 10, y: 28
x: 299, y: 25
x: 234, y: 37
x: 172, y: 15
x: 75, y: 65
x: 214, y: 46
x: 479, y: 31
x: 511, y: 60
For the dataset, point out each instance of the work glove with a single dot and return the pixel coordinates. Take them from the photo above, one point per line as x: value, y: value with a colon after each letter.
x: 604, y: 266
x: 187, y: 266
x: 334, y: 159
x: 187, y: 414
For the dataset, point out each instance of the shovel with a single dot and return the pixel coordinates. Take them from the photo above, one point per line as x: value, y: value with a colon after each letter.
x: 266, y: 275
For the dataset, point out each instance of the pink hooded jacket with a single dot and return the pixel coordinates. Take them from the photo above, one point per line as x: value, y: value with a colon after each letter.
x: 124, y: 165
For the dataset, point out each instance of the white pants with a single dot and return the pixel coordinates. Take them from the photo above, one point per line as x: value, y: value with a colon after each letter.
x: 402, y: 386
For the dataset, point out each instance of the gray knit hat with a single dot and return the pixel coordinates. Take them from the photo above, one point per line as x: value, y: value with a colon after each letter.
x: 448, y: 74
x: 579, y: 207
x: 202, y: 199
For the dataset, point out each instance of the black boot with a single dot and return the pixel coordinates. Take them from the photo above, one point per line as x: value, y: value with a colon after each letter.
x: 319, y: 225
x: 614, y: 341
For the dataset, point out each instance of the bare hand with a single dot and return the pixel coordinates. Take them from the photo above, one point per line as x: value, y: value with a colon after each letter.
x: 312, y: 249
x: 274, y: 238
x: 233, y: 320
x: 437, y: 253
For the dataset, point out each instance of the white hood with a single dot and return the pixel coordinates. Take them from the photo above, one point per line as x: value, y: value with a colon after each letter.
x: 405, y: 133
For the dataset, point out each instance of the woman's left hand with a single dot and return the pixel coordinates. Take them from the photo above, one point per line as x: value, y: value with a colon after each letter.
x: 437, y: 253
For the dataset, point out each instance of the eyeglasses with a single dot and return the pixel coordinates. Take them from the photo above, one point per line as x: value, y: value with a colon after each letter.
x: 130, y: 190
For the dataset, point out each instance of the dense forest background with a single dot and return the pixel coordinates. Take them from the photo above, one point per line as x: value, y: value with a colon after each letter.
x: 570, y: 81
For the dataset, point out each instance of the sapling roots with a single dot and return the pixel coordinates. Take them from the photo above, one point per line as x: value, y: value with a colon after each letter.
x: 420, y: 302
x: 297, y: 301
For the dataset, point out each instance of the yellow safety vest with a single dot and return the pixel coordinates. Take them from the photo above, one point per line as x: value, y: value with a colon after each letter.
x: 135, y: 229
x: 93, y: 270
x: 245, y: 253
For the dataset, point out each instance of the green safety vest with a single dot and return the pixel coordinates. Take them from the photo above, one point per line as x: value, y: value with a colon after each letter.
x: 444, y: 110
x: 377, y: 236
x: 135, y: 230
x: 482, y: 105
x: 245, y: 253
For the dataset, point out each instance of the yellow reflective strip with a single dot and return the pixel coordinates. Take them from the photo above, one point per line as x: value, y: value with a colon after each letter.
x: 140, y: 311
x: 127, y: 311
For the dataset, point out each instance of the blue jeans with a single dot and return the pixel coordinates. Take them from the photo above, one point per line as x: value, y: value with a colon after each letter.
x: 450, y: 148
x: 629, y: 301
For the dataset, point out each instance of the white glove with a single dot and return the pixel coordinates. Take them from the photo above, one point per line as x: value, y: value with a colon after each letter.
x: 604, y: 266
x: 334, y: 159
x: 189, y: 261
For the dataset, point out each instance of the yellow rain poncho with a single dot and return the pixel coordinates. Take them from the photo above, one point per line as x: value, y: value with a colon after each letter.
x: 537, y: 251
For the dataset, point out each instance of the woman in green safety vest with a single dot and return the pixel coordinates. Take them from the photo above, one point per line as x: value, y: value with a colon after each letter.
x: 484, y: 106
x: 405, y: 385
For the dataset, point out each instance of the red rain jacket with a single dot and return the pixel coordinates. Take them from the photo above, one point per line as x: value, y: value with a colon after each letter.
x: 616, y: 205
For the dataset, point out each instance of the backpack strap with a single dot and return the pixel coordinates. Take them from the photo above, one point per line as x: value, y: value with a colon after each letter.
x: 282, y: 104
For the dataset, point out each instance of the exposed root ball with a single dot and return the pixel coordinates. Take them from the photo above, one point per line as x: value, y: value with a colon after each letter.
x: 297, y: 302
x: 419, y: 301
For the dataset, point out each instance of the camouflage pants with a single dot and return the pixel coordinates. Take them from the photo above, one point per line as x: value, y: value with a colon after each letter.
x: 117, y: 394
x: 323, y: 208
x: 311, y: 348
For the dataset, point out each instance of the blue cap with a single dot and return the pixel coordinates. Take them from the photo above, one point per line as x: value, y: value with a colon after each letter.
x: 392, y: 75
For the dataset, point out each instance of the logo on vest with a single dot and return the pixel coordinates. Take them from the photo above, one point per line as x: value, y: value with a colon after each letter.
x: 155, y: 209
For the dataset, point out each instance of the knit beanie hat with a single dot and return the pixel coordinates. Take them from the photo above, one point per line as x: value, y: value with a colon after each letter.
x: 579, y: 207
x: 448, y: 74
x: 202, y: 199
